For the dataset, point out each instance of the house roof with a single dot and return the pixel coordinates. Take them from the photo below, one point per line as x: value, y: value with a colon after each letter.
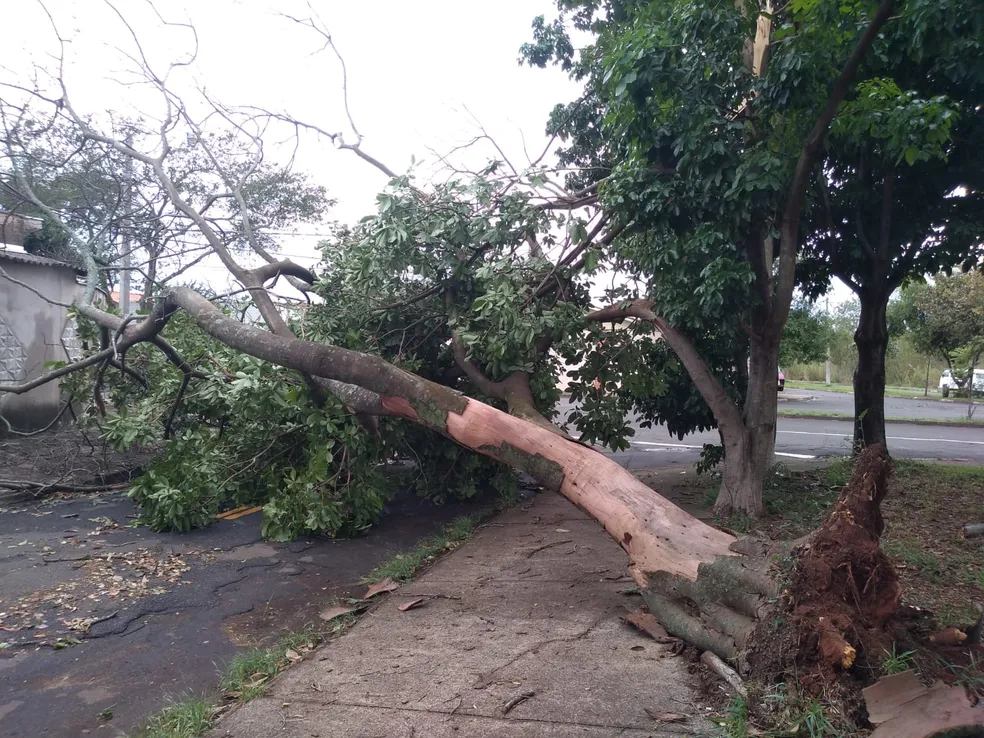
x: 25, y: 258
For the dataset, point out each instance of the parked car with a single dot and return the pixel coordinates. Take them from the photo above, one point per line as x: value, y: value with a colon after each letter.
x: 948, y: 382
x: 782, y: 380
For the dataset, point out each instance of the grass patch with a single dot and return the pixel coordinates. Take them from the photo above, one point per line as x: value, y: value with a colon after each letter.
x: 249, y: 674
x: 188, y: 718
x: 896, y: 663
x: 247, y: 677
x: 912, y: 554
x: 926, y: 507
x: 969, y: 676
x: 402, y: 567
x: 815, y: 723
x: 735, y: 723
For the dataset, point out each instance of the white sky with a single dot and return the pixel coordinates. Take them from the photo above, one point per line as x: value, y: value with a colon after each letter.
x: 415, y: 71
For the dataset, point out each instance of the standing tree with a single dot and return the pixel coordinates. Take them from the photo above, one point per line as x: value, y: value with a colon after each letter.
x: 120, y: 207
x: 701, y: 128
x: 901, y: 194
x: 950, y: 324
x: 807, y: 335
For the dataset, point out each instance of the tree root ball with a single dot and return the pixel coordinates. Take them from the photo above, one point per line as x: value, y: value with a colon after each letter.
x: 844, y: 588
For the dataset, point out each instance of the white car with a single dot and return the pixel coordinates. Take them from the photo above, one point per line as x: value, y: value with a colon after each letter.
x: 948, y: 382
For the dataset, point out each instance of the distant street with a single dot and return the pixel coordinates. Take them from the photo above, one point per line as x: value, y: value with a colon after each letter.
x: 895, y: 407
x: 818, y: 437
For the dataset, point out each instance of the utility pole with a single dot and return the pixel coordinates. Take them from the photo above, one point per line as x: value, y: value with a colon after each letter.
x: 827, y: 364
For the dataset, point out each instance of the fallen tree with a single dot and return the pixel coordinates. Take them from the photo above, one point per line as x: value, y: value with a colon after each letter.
x: 703, y: 583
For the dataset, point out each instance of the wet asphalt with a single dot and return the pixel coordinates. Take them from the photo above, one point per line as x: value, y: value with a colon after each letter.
x: 221, y: 589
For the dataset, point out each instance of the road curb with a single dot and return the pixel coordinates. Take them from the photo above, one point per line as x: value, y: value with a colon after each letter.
x: 909, y: 421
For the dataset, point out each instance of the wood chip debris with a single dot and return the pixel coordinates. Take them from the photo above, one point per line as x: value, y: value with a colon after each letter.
x: 330, y: 613
x: 903, y: 707
x: 648, y: 624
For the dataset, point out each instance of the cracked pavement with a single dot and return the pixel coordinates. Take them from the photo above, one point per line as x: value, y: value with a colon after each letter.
x: 519, y: 635
x: 165, y: 611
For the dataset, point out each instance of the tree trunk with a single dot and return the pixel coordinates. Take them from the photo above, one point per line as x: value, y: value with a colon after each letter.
x: 749, y: 445
x: 970, y: 391
x: 871, y: 338
x: 151, y: 278
x: 748, y: 457
x: 657, y: 535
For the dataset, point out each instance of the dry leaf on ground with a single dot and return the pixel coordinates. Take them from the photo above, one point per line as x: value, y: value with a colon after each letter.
x: 384, y: 585
x: 410, y: 605
x: 665, y: 717
x: 330, y: 613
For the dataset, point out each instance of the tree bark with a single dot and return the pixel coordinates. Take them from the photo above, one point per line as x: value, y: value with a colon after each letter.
x: 748, y: 457
x: 749, y: 446
x: 871, y: 338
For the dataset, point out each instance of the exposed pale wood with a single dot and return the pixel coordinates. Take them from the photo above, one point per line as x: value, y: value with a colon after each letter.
x: 715, y: 664
x: 834, y: 649
x: 657, y: 535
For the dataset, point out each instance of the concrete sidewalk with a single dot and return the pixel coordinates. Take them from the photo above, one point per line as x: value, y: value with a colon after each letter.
x: 529, y: 606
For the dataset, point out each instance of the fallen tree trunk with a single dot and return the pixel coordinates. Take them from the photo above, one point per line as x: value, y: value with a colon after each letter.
x: 702, y: 583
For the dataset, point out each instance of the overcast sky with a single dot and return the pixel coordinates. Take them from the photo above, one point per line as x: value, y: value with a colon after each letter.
x: 420, y: 74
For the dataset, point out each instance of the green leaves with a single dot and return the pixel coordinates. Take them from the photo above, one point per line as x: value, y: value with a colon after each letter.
x: 903, y: 126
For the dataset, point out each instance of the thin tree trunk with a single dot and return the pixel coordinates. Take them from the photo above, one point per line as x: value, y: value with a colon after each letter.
x: 871, y: 338
x: 970, y: 392
x: 148, y: 289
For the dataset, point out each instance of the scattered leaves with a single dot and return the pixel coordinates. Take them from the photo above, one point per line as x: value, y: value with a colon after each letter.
x: 410, y: 605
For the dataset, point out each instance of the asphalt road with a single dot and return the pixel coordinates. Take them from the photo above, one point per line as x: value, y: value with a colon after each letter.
x: 895, y: 407
x: 177, y: 607
x: 809, y: 438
